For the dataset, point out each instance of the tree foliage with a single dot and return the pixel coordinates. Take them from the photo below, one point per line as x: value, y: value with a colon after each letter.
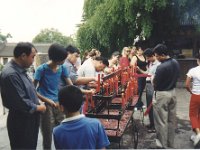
x: 3, y: 38
x: 52, y: 36
x: 113, y: 24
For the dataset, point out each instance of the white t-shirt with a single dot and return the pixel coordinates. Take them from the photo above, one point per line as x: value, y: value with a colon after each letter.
x: 152, y: 69
x: 87, y: 69
x: 194, y: 73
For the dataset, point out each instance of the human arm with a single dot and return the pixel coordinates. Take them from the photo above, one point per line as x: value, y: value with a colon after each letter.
x: 85, y: 80
x: 187, y: 84
x: 21, y: 95
x: 133, y: 61
x: 41, y: 108
x: 142, y: 71
x: 42, y: 98
x: 91, y: 91
x: 158, y: 78
x: 68, y: 81
x: 46, y: 100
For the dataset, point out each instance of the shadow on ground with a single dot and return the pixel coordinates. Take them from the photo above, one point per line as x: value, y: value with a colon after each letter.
x: 145, y: 139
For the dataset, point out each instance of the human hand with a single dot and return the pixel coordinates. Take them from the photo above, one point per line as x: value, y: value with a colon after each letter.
x: 92, y: 84
x: 91, y: 91
x: 53, y: 104
x: 41, y: 108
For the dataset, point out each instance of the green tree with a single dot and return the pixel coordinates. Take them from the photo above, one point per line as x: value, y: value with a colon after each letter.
x: 53, y: 36
x: 113, y: 24
x: 3, y: 38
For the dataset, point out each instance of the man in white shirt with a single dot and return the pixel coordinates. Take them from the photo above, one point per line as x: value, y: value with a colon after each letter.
x: 93, y: 67
x: 151, y: 69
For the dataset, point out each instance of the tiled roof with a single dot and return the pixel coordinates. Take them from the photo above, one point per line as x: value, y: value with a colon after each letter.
x: 7, y: 51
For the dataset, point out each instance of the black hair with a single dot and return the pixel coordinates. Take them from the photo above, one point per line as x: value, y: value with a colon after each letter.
x: 115, y: 53
x: 161, y: 49
x: 103, y: 59
x: 71, y: 98
x: 148, y: 52
x: 57, y: 52
x: 141, y: 44
x: 23, y: 47
x: 72, y: 49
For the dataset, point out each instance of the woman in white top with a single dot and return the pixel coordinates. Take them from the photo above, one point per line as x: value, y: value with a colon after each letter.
x: 194, y: 112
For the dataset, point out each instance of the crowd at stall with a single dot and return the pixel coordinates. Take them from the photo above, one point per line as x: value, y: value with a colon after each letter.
x: 54, y: 99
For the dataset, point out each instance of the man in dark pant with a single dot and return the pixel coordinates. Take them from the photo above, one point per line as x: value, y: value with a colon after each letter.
x: 20, y: 97
x: 23, y: 137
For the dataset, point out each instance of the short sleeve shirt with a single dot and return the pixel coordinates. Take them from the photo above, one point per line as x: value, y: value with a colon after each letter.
x: 194, y: 73
x: 87, y: 69
x: 49, y: 81
x: 80, y: 133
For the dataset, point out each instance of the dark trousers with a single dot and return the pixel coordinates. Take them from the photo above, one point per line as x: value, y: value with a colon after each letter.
x: 23, y: 130
x: 149, y: 97
x: 141, y: 86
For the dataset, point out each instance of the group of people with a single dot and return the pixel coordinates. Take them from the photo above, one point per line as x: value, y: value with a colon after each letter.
x: 58, y: 86
x: 41, y: 102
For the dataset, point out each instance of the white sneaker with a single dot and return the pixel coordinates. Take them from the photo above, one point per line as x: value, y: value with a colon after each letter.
x: 192, y: 137
x: 196, y: 139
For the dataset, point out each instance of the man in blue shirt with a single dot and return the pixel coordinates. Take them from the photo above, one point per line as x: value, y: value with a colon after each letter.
x: 47, y: 78
x: 77, y: 131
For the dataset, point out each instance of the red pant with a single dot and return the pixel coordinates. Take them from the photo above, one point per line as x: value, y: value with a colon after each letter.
x: 195, y: 111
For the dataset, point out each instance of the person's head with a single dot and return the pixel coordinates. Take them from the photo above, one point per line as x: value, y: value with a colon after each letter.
x: 115, y: 57
x: 140, y: 47
x: 94, y: 53
x: 125, y: 51
x: 72, y: 54
x: 70, y: 98
x: 24, y: 53
x: 161, y: 52
x: 100, y: 63
x: 149, y: 54
x: 133, y: 51
x: 57, y: 53
x: 86, y: 54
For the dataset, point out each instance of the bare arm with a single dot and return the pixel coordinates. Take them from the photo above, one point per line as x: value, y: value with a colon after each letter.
x: 187, y: 84
x: 84, y: 80
x: 91, y: 91
x: 133, y: 61
x: 42, y: 98
x: 46, y: 100
x: 68, y: 81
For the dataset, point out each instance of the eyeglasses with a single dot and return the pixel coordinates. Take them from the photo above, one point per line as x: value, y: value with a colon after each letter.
x: 128, y: 51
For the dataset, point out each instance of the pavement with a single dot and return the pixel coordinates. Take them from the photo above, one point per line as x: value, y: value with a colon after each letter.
x: 182, y: 138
